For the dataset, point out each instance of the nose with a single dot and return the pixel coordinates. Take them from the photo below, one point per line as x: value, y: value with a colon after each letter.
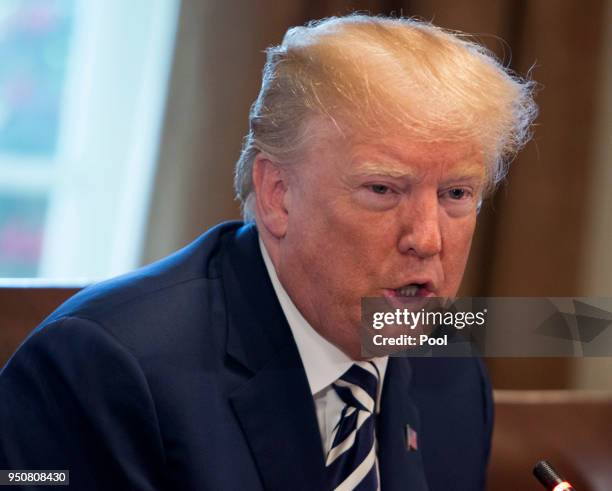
x: 421, y: 234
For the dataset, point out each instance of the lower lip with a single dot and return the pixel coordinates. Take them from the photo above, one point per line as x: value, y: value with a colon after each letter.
x: 421, y: 292
x: 414, y: 303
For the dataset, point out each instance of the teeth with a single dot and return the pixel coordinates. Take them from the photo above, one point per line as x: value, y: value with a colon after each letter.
x: 408, y: 291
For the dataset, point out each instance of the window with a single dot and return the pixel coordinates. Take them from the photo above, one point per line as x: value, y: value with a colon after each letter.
x: 82, y: 91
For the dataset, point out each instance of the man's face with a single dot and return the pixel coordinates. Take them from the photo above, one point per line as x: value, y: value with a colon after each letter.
x: 385, y: 218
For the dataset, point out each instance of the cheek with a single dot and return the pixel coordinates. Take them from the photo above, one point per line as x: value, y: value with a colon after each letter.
x: 340, y: 229
x: 360, y: 245
x: 342, y: 247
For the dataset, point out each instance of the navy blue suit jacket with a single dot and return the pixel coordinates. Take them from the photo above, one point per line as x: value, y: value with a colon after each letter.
x: 184, y: 375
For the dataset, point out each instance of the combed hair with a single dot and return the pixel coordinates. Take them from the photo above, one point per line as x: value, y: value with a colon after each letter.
x: 376, y: 76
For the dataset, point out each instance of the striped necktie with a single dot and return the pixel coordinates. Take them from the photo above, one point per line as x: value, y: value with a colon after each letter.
x: 351, y: 460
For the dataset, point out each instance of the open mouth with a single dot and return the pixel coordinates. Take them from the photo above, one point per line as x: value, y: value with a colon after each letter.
x: 410, y: 290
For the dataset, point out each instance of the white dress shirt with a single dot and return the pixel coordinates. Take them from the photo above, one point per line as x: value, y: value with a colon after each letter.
x: 323, y: 362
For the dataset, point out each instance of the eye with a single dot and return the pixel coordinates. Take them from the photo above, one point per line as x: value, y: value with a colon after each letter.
x: 379, y: 188
x: 459, y: 200
x: 458, y: 194
x: 377, y: 196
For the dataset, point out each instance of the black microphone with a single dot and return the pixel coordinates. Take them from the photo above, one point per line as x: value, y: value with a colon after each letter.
x: 549, y: 478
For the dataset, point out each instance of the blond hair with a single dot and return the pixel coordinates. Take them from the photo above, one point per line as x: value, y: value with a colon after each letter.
x: 375, y: 75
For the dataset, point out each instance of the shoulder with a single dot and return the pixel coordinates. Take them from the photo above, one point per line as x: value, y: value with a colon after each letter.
x: 196, y: 261
x: 96, y: 368
x: 144, y: 309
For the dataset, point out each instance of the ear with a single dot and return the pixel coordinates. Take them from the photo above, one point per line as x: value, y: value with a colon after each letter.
x: 270, y: 182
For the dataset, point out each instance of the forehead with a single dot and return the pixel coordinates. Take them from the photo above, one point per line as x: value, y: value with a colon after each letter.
x: 401, y: 157
x: 329, y: 149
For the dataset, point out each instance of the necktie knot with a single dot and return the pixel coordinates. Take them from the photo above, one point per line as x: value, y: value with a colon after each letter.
x: 358, y: 386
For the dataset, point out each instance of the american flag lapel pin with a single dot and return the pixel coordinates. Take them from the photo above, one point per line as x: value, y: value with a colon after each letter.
x: 411, y: 439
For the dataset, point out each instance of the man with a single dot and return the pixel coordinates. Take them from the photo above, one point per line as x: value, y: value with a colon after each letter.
x: 235, y: 363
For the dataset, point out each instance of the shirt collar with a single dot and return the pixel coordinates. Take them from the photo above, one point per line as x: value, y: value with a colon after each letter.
x: 323, y: 362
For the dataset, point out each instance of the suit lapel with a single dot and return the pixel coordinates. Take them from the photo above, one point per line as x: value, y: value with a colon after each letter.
x: 400, y: 468
x: 274, y: 405
x: 277, y: 415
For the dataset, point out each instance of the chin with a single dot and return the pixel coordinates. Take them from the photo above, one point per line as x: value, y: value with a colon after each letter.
x: 352, y: 348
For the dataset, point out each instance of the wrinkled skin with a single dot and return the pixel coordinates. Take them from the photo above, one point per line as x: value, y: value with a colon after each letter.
x: 361, y: 219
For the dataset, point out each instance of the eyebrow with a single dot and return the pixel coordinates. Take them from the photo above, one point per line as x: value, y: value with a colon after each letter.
x: 462, y: 172
x: 386, y: 170
x: 467, y: 172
